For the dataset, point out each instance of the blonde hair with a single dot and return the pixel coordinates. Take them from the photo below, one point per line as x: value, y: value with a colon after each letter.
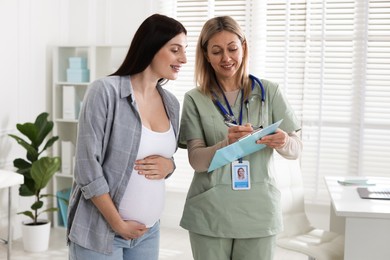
x: 204, y: 72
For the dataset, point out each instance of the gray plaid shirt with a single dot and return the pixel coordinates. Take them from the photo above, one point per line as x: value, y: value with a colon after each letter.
x: 109, y: 132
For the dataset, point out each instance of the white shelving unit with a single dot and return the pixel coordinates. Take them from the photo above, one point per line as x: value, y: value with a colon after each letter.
x: 101, y: 61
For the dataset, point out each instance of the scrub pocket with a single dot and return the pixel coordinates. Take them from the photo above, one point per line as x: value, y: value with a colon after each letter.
x: 223, y: 212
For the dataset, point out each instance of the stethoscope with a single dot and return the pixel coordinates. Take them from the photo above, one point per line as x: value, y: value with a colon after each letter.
x: 230, y: 119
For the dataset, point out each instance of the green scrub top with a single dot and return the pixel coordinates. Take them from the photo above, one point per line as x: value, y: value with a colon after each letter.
x: 212, y: 207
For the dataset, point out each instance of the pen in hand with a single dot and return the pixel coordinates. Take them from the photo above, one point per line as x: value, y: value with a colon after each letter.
x: 229, y: 124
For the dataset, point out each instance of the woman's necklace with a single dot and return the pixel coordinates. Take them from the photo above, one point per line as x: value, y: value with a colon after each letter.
x: 231, y: 96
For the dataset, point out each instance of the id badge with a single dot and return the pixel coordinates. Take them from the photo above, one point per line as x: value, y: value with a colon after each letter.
x: 241, y: 175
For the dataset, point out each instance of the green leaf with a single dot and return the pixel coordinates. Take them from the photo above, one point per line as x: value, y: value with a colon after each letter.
x: 44, y: 128
x: 50, y: 142
x: 27, y: 213
x: 37, y: 205
x: 23, y: 167
x: 30, y: 130
x: 28, y: 186
x: 32, y: 152
x: 48, y: 210
x: 37, y: 132
x: 27, y: 189
x: 43, y: 170
x: 47, y: 195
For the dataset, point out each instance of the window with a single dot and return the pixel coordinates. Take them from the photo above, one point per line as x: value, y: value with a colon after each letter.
x: 331, y: 58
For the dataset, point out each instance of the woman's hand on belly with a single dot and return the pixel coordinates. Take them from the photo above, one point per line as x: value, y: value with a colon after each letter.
x: 131, y: 230
x: 154, y: 167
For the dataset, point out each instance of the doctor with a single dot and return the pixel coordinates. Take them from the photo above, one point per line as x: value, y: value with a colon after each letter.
x: 226, y: 223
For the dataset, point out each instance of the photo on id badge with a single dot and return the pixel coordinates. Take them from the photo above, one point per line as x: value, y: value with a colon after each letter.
x: 240, y: 175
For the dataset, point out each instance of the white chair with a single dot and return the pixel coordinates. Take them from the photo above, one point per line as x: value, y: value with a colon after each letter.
x: 299, y: 235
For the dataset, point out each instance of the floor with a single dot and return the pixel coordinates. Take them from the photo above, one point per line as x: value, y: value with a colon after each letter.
x: 174, y: 246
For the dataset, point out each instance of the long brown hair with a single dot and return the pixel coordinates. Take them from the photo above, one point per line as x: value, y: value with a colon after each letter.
x: 150, y: 37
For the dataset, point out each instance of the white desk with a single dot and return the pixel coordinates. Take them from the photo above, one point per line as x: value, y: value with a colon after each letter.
x: 365, y: 223
x: 8, y: 179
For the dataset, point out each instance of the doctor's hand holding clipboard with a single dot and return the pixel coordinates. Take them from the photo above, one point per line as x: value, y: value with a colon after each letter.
x: 245, y: 143
x: 276, y: 140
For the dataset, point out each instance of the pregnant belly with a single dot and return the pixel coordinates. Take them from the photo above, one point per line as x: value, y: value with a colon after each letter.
x: 143, y: 200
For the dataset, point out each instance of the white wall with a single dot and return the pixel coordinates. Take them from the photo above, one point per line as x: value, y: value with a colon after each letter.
x: 29, y: 28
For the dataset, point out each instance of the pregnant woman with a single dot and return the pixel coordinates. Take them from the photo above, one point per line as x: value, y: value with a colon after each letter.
x: 127, y: 135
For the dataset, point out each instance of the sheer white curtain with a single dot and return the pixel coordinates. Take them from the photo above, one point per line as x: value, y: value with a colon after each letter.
x: 332, y: 59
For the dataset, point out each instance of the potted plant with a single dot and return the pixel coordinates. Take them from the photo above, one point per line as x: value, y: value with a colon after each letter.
x: 37, y: 168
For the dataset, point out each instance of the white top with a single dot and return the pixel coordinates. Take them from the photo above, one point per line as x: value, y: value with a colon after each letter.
x: 144, y: 199
x: 347, y: 203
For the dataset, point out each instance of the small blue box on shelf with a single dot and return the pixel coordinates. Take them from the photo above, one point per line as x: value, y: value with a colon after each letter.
x: 77, y: 75
x: 77, y: 63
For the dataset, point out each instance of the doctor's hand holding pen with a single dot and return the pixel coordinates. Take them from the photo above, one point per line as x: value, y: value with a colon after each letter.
x: 276, y: 140
x: 236, y: 132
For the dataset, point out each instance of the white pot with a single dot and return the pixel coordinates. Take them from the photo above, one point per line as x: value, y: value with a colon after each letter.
x: 36, y: 237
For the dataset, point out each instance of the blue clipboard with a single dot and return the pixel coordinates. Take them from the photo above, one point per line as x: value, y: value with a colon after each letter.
x: 242, y: 147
